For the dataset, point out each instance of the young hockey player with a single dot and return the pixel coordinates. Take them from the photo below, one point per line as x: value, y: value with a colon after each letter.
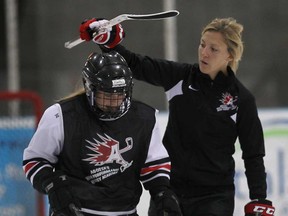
x: 92, y: 150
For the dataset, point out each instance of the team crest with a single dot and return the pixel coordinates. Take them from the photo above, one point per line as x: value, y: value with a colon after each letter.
x: 105, y: 152
x: 227, y: 102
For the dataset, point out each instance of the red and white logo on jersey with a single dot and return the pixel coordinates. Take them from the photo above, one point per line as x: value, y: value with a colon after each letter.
x: 106, y: 150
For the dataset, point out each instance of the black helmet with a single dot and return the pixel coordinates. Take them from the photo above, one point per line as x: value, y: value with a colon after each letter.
x: 107, y: 72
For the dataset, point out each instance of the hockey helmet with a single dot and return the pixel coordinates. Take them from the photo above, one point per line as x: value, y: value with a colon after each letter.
x: 109, y: 74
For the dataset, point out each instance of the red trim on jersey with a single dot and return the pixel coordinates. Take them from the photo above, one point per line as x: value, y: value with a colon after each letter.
x: 29, y: 166
x: 153, y: 168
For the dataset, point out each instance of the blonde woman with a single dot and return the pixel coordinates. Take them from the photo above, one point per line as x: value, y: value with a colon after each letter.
x: 209, y: 108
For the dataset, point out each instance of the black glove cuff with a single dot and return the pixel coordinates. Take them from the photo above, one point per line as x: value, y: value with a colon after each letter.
x: 166, y: 202
x: 165, y: 194
x: 262, y: 201
x: 158, y: 191
x: 56, y: 180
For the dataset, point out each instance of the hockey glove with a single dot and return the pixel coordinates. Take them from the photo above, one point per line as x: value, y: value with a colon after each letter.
x: 167, y: 204
x: 86, y: 33
x: 61, y: 199
x: 259, y: 207
x: 112, y: 37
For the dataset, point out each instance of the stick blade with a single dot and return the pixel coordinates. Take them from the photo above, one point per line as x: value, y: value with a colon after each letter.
x: 161, y: 15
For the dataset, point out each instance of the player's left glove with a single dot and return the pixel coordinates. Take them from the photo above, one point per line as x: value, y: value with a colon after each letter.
x: 167, y: 204
x: 259, y: 207
x: 112, y: 37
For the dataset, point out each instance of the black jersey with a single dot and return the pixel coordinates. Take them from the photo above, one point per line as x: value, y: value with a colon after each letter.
x: 205, y: 118
x: 105, y: 160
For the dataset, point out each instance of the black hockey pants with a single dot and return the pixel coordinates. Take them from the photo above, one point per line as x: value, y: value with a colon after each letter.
x: 219, y: 202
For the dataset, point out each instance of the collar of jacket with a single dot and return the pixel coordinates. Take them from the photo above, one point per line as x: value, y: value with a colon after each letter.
x: 220, y: 80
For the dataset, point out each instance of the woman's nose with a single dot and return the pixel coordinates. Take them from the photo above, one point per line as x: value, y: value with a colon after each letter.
x: 204, y: 51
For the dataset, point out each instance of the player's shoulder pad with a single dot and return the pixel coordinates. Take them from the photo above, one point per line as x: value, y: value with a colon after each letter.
x: 143, y: 110
x: 72, y: 104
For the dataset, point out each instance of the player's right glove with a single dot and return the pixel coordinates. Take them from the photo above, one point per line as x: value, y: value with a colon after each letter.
x: 167, y: 204
x: 259, y: 207
x: 61, y: 199
x: 109, y: 39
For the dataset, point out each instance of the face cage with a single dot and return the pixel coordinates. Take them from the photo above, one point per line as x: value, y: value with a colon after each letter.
x: 110, y: 115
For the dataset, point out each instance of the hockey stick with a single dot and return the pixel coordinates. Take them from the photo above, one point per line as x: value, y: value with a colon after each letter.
x: 155, y: 16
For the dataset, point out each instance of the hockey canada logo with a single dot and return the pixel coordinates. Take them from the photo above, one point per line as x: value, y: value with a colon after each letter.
x: 106, y: 151
x: 228, y: 102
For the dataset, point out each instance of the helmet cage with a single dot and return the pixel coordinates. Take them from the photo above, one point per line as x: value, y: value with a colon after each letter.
x: 110, y: 114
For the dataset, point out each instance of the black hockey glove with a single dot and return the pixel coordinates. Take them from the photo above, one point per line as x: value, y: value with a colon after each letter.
x: 61, y: 199
x: 167, y: 204
x: 259, y: 207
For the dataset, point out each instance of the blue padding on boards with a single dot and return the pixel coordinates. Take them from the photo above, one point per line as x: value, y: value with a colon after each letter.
x: 17, y: 197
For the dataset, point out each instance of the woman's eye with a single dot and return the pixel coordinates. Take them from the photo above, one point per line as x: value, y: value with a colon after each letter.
x: 213, y: 49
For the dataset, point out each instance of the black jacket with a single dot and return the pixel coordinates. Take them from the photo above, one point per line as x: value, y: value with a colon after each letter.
x: 205, y: 119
